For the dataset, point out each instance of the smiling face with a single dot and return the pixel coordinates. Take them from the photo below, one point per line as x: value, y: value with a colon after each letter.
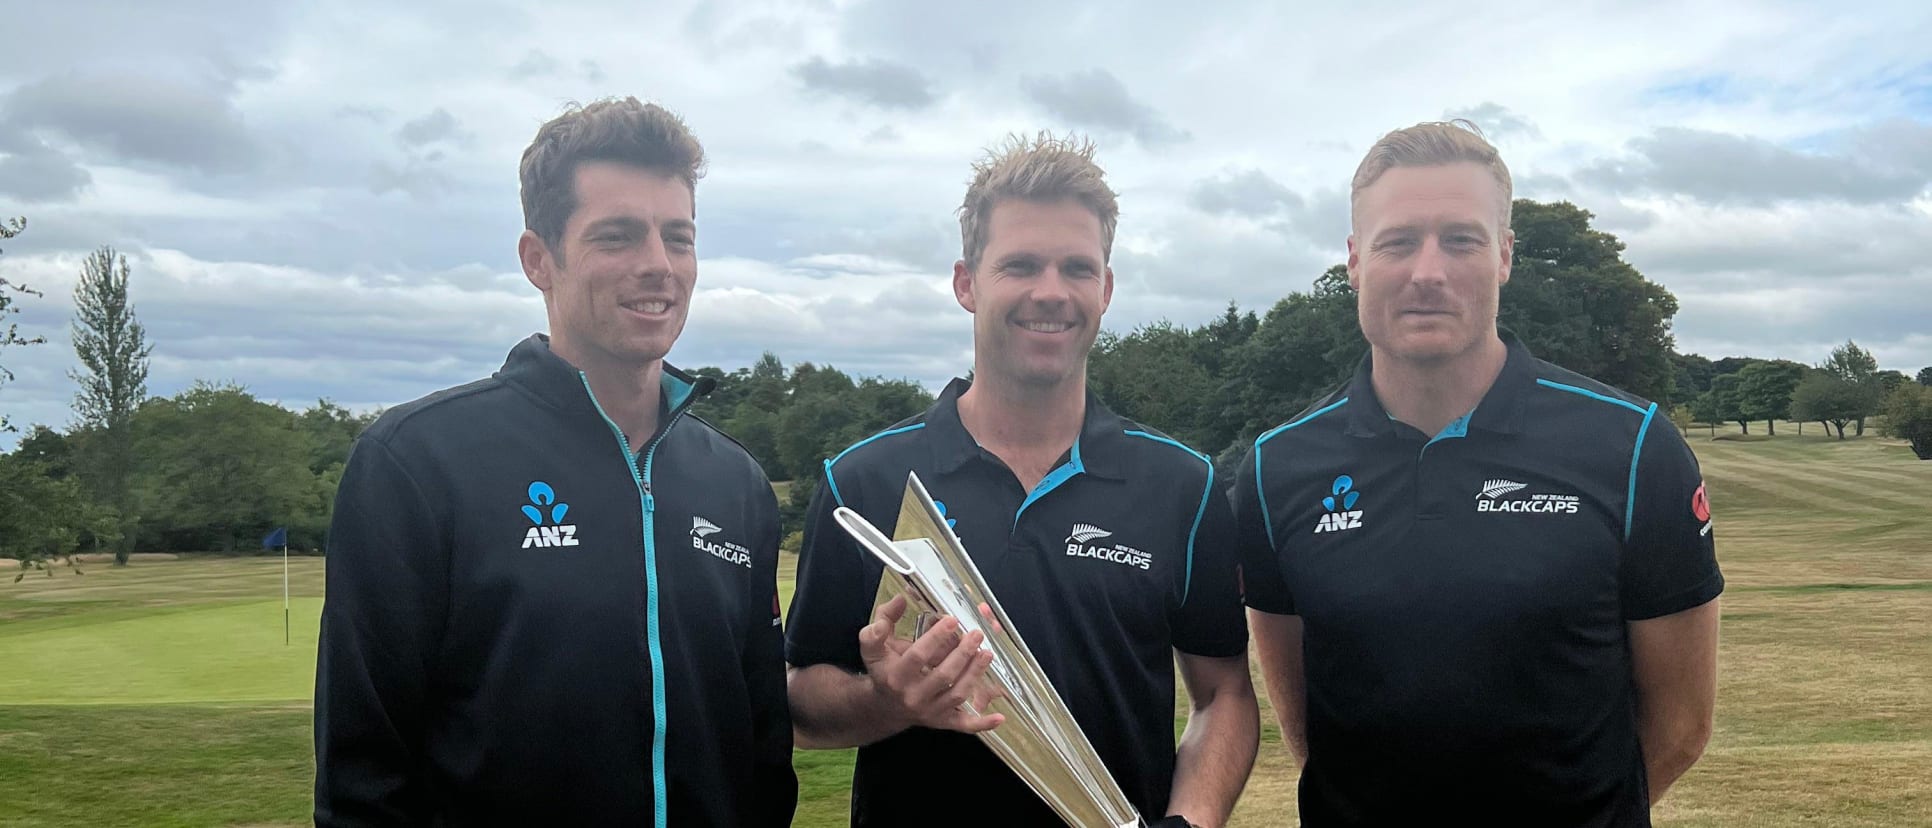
x: 618, y: 288
x: 1428, y: 260
x: 1037, y: 294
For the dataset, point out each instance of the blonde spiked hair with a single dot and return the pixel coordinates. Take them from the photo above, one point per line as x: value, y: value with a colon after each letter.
x: 1041, y: 168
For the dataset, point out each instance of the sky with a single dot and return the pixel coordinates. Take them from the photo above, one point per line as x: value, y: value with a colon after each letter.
x: 319, y: 199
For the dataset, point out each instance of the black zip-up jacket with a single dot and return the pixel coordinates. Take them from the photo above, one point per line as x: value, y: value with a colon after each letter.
x: 531, y: 622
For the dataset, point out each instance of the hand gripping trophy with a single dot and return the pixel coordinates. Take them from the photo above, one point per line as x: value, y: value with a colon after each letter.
x: 1039, y: 740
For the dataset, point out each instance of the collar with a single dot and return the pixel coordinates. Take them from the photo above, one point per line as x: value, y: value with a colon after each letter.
x: 552, y: 381
x: 1098, y: 451
x: 1497, y: 413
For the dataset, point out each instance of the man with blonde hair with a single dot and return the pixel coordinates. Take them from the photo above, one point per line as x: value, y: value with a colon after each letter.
x: 1108, y: 544
x: 552, y: 596
x: 1482, y: 587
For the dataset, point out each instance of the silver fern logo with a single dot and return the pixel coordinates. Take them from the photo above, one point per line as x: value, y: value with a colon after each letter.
x: 703, y: 528
x: 1493, y: 489
x: 724, y: 550
x: 1080, y: 544
x: 1083, y: 532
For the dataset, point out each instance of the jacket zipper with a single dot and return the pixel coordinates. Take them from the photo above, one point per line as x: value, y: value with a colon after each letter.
x: 659, y: 787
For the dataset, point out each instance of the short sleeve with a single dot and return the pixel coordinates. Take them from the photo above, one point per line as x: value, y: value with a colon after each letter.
x: 1207, y: 620
x: 1669, y: 557
x: 1264, y: 586
x: 833, y: 598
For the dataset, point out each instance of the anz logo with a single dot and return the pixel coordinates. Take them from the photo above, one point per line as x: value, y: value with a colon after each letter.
x: 550, y: 532
x: 1341, y: 514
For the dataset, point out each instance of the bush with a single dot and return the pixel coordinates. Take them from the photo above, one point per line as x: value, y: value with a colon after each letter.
x: 1908, y: 416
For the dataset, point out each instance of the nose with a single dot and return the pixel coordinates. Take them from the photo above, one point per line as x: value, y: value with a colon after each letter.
x: 654, y: 260
x: 1431, y: 264
x: 1056, y: 289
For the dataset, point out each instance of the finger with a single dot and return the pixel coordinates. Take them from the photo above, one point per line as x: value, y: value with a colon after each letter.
x: 872, y: 642
x: 965, y: 722
x: 891, y: 611
x: 986, y: 612
x: 931, y: 648
x: 951, y: 672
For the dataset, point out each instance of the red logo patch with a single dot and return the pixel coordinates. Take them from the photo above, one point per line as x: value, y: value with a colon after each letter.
x: 1701, y: 504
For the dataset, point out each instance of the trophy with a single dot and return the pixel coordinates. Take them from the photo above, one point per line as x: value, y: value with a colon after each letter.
x: 1039, y: 739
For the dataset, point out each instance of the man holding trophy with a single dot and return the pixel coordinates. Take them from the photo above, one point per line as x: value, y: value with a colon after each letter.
x: 1110, y: 549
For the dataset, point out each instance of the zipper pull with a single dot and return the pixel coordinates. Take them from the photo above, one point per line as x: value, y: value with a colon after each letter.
x: 650, y: 503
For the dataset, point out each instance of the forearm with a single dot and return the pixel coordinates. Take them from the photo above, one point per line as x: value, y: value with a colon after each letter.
x: 835, y: 708
x: 1670, y: 747
x: 1214, y: 757
x: 1277, y: 641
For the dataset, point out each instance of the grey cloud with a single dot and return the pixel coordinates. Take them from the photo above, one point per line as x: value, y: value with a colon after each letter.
x: 372, y: 114
x: 1097, y: 100
x: 1896, y: 144
x: 38, y: 173
x: 140, y: 117
x: 1496, y: 121
x: 437, y: 125
x: 537, y: 63
x: 1244, y: 192
x: 418, y: 178
x: 591, y: 71
x: 1733, y: 169
x: 877, y: 82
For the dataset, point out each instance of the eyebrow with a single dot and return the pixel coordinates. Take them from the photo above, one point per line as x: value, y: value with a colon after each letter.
x: 634, y: 225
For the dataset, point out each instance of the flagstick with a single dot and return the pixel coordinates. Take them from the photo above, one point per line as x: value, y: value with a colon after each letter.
x: 285, y: 627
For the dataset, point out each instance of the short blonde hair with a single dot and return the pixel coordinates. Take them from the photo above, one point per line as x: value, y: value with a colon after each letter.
x: 1432, y: 144
x: 1041, y: 168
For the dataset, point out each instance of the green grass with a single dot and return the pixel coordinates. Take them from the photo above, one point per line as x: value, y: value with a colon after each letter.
x: 161, y: 693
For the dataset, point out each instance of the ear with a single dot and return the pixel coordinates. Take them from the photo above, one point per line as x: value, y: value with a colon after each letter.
x: 963, y: 287
x: 1509, y: 256
x: 536, y: 260
x: 1354, y: 265
x: 1107, y: 290
x: 538, y: 264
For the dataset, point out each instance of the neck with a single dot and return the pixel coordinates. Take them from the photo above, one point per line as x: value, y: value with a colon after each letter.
x: 1028, y: 427
x: 629, y: 393
x: 1431, y: 394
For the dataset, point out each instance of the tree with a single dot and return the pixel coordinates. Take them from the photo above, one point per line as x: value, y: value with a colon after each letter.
x: 1692, y: 377
x: 42, y: 518
x: 1726, y: 401
x: 1575, y: 302
x: 9, y: 305
x: 1827, y: 398
x: 1858, y: 367
x: 1764, y: 391
x: 113, y: 347
x: 1889, y: 381
x: 1304, y: 347
x: 215, y: 465
x: 1908, y: 415
x: 1925, y: 376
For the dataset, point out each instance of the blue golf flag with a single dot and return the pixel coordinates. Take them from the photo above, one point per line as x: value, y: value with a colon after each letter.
x: 279, y: 537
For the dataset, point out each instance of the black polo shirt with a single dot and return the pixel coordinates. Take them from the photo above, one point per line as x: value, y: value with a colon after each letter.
x: 1120, y: 555
x: 1464, y: 597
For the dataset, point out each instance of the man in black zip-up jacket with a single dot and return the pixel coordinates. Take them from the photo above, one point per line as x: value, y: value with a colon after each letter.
x: 552, y: 593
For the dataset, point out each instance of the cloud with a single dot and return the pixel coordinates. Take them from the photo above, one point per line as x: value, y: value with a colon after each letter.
x: 1496, y: 121
x: 876, y: 82
x: 436, y: 125
x: 1721, y: 168
x: 34, y: 172
x: 1243, y: 192
x: 132, y: 117
x: 1097, y: 100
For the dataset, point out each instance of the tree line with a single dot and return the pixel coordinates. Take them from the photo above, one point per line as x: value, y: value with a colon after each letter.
x: 214, y: 468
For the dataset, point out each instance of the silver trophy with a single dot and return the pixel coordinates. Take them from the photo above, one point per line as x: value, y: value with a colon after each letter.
x: 1039, y: 740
